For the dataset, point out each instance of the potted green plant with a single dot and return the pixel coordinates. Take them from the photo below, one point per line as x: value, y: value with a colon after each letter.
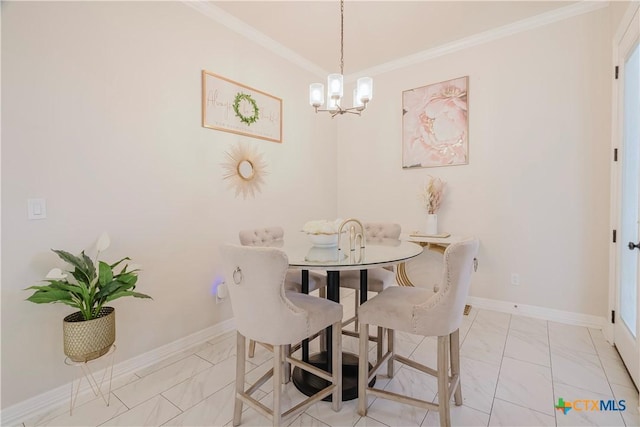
x: 89, y: 332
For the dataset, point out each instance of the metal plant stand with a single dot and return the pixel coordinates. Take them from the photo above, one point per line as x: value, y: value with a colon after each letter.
x: 91, y: 377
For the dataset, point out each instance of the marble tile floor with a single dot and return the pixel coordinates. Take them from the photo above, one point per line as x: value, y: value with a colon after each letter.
x: 514, y: 370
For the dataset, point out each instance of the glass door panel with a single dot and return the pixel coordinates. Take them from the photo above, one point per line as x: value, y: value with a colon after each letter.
x: 630, y: 199
x: 627, y: 124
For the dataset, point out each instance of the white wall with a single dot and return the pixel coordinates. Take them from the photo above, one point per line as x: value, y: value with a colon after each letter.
x: 101, y: 116
x: 536, y: 190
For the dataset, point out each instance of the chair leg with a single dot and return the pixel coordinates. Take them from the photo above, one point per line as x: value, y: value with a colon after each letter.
x: 363, y: 369
x: 355, y: 309
x: 454, y: 344
x: 380, y: 342
x: 336, y: 365
x: 322, y: 293
x: 390, y: 349
x: 443, y: 381
x: 287, y: 366
x: 240, y: 368
x: 252, y: 348
x: 323, y: 340
x: 277, y: 385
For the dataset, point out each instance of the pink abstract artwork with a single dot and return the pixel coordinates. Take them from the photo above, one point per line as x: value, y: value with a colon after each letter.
x: 435, y: 125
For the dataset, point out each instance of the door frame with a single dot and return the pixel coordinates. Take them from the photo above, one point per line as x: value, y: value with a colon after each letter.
x: 616, y: 173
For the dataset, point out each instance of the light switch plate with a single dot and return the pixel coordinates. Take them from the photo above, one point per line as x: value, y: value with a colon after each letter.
x: 37, y: 208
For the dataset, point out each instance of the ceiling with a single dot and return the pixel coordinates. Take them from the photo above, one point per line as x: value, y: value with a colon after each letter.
x: 376, y: 32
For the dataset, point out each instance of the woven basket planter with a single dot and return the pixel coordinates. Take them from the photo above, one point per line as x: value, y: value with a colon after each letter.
x: 86, y: 340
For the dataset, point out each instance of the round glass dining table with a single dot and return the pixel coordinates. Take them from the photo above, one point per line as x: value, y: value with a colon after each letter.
x: 303, y: 256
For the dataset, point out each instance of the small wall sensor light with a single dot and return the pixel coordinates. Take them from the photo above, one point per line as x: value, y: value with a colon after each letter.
x: 223, y: 292
x: 219, y: 289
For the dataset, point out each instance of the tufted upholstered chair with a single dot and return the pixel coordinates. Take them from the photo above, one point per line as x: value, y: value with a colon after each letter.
x: 265, y: 311
x: 378, y: 278
x: 420, y: 311
x: 274, y: 237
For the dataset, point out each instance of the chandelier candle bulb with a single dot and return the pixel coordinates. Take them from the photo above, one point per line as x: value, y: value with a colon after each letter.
x: 365, y: 89
x: 316, y: 94
x: 334, y: 83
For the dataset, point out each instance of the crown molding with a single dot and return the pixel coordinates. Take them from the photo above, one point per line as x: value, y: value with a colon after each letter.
x: 541, y: 20
x: 626, y: 20
x: 240, y: 27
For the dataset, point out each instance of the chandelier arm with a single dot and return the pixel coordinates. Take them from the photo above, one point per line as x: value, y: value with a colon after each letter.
x: 353, y: 110
x: 340, y: 110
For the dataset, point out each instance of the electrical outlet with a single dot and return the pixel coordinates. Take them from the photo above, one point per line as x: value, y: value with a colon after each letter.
x: 515, y: 279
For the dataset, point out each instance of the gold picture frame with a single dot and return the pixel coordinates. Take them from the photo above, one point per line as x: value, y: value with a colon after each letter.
x: 230, y: 106
x: 435, y: 124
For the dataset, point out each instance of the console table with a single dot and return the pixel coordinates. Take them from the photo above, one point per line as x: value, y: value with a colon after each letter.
x: 425, y: 270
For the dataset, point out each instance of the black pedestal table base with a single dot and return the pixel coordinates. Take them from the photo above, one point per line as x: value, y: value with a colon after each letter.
x: 310, y: 384
x: 378, y: 255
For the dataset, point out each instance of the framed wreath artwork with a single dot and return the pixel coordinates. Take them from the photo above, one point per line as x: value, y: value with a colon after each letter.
x: 435, y: 125
x: 233, y: 107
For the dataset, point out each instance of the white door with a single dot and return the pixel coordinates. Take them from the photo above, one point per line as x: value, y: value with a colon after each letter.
x: 626, y: 327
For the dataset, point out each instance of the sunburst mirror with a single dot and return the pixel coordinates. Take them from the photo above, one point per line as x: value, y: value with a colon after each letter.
x: 244, y: 169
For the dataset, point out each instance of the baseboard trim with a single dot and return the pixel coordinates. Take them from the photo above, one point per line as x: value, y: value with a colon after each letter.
x: 607, y: 331
x: 18, y: 413
x: 538, y: 312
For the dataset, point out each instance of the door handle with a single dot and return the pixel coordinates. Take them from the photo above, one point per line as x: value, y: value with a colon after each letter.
x: 633, y: 246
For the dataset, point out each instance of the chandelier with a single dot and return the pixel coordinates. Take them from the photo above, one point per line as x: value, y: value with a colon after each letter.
x: 362, y: 94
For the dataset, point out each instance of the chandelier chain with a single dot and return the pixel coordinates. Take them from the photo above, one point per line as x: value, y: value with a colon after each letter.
x: 342, y: 37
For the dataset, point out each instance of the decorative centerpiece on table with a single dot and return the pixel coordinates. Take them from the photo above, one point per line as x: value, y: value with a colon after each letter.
x: 90, y: 332
x: 431, y: 195
x: 323, y: 233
